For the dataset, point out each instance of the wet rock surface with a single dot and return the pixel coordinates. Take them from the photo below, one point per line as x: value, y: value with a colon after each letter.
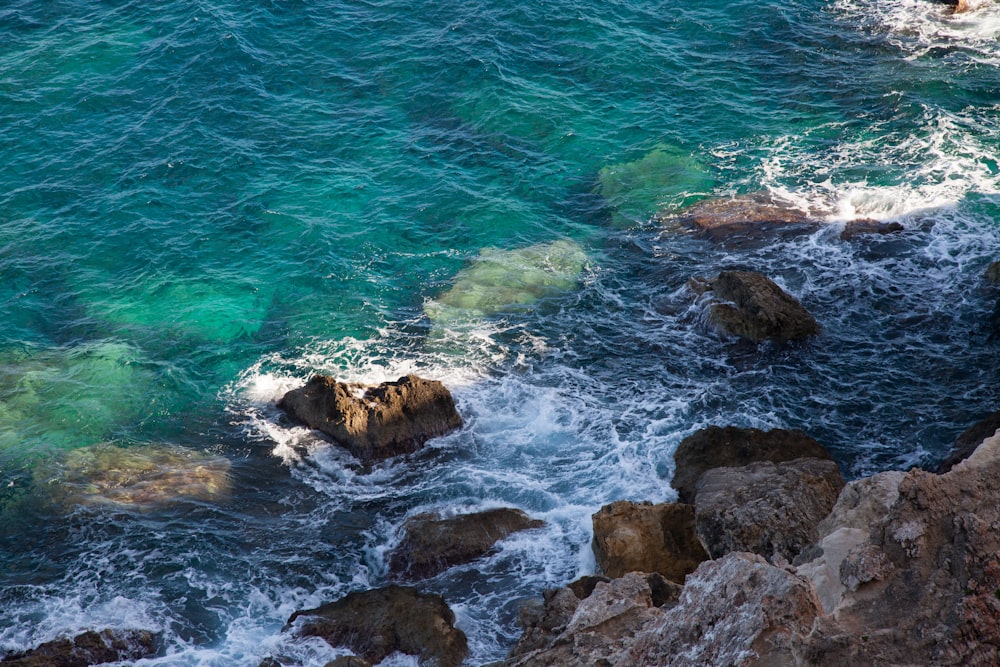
x: 88, y: 648
x: 432, y: 544
x: 375, y: 423
x: 750, y: 305
x: 376, y: 623
x: 731, y: 446
x: 737, y: 220
x: 642, y: 537
x: 860, y: 228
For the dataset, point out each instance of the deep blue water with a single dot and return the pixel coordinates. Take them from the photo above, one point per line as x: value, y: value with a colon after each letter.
x: 204, y: 203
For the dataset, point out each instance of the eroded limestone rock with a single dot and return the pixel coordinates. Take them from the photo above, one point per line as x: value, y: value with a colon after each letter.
x: 750, y: 305
x: 88, y: 648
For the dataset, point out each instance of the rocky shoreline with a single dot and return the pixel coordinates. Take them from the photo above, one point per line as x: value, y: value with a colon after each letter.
x: 768, y: 558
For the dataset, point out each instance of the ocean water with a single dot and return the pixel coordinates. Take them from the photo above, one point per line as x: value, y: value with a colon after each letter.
x: 205, y: 203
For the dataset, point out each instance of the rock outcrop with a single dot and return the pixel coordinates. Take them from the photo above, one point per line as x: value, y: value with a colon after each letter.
x: 88, y: 648
x: 375, y: 423
x: 642, y: 537
x: 588, y: 631
x: 750, y: 305
x: 905, y: 571
x: 379, y: 622
x: 740, y: 219
x: 432, y: 544
x: 731, y: 446
x: 770, y: 509
x: 992, y: 274
x: 864, y: 227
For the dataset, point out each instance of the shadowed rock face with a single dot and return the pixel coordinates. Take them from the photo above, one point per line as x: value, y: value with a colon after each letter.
x: 641, y: 537
x: 750, y: 305
x: 770, y: 509
x: 375, y: 423
x: 716, y: 447
x: 88, y: 648
x: 969, y: 440
x: 432, y: 544
x: 376, y: 623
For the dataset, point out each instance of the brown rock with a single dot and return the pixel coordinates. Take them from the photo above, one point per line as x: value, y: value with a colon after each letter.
x: 856, y: 228
x: 715, y: 447
x: 591, y: 631
x: 432, y: 544
x: 641, y: 537
x: 770, y: 509
x: 737, y: 610
x: 348, y: 661
x: 377, y: 623
x: 746, y: 217
x: 88, y: 648
x: 375, y: 423
x: 922, y: 583
x: 750, y: 305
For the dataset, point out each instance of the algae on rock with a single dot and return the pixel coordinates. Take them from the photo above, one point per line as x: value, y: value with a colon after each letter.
x: 666, y: 176
x: 500, y: 280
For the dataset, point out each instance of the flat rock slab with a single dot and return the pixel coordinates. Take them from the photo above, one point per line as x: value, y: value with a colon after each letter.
x: 376, y: 623
x: 375, y: 423
x: 732, y: 446
x: 750, y: 305
x: 770, y: 509
x: 746, y: 217
x: 432, y: 544
x: 866, y: 227
x: 642, y: 537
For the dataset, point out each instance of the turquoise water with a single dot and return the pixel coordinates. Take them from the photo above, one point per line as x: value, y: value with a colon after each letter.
x: 205, y: 203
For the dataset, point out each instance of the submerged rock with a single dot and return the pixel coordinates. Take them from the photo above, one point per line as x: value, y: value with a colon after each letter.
x: 731, y: 446
x: 142, y: 476
x: 856, y: 228
x: 376, y: 623
x: 743, y: 218
x: 642, y: 537
x: 500, y: 280
x: 635, y: 190
x: 770, y: 509
x: 750, y: 305
x: 375, y: 423
x: 88, y: 648
x: 432, y: 544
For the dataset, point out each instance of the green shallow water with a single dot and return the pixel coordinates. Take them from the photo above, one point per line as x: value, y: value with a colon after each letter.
x: 203, y: 204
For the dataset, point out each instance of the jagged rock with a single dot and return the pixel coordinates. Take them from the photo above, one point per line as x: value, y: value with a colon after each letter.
x: 642, y: 537
x: 856, y: 228
x: 969, y: 440
x: 375, y: 423
x: 432, y: 544
x: 770, y: 509
x: 587, y: 632
x: 737, y: 219
x: 750, y: 305
x: 731, y: 446
x: 379, y: 622
x: 737, y: 610
x: 88, y: 648
x: 922, y: 585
